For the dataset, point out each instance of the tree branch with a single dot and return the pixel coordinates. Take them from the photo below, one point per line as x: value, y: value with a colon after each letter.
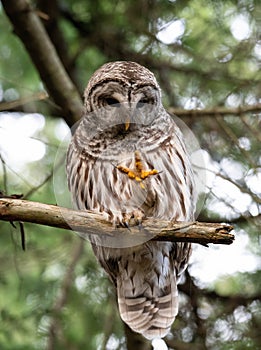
x: 11, y: 105
x: 88, y: 222
x: 31, y: 31
x: 215, y: 111
x: 135, y: 340
x: 180, y: 112
x: 230, y: 302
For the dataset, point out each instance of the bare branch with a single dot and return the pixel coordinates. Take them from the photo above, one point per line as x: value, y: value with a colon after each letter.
x: 7, y: 105
x: 232, y: 137
x: 29, y: 28
x: 215, y: 111
x: 241, y: 219
x: 242, y: 187
x: 253, y: 130
x: 135, y: 340
x: 91, y: 223
x: 231, y: 302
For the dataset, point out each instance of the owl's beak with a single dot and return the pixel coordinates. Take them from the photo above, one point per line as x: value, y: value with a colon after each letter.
x: 127, y: 124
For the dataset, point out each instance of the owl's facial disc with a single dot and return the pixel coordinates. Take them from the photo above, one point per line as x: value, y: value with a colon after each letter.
x: 130, y: 105
x: 114, y: 103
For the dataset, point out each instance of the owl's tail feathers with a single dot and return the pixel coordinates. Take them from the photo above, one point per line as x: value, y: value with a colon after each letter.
x: 152, y: 317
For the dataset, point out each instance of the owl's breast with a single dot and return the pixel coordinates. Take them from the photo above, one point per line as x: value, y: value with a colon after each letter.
x: 106, y: 175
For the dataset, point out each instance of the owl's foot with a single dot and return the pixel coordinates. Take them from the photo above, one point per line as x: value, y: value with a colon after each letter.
x: 133, y: 218
x: 138, y: 173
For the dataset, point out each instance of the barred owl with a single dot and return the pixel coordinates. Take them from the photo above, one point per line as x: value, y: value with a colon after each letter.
x: 127, y: 145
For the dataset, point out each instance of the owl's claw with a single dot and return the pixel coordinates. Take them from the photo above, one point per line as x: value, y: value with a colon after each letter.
x: 133, y: 218
x: 126, y: 224
x: 140, y: 225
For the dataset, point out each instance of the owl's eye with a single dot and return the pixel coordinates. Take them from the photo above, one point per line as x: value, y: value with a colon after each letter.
x: 144, y: 101
x: 112, y: 102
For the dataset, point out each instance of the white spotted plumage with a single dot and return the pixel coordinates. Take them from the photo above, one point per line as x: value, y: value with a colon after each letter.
x: 145, y: 276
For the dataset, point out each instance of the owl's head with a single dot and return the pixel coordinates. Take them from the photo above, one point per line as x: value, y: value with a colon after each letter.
x: 122, y: 93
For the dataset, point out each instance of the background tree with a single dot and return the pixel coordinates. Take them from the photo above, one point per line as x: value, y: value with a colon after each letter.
x: 206, y: 56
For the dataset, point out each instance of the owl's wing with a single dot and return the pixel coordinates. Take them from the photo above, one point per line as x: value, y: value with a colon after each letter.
x: 180, y: 254
x: 110, y: 265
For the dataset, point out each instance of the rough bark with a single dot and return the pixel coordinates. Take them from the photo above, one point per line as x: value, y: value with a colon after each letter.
x: 91, y: 223
x: 29, y: 28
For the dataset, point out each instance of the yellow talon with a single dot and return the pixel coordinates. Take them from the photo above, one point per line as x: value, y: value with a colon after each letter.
x: 123, y: 169
x: 137, y: 174
x: 131, y: 175
x: 146, y: 173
